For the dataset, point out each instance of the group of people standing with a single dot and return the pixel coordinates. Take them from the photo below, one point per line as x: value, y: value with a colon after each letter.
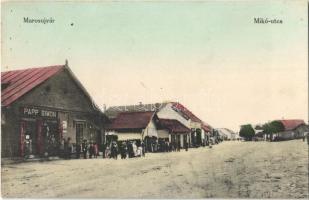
x: 165, y: 146
x: 126, y: 149
x: 91, y: 149
x: 88, y: 150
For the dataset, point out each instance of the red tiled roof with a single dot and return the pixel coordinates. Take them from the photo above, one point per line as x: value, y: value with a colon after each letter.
x: 291, y: 124
x: 19, y: 82
x: 173, y: 126
x: 185, y: 112
x: 131, y: 120
x: 188, y: 114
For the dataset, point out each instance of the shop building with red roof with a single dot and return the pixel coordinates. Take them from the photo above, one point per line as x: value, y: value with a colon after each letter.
x: 42, y: 106
x: 133, y: 126
x: 200, y: 131
x: 173, y: 131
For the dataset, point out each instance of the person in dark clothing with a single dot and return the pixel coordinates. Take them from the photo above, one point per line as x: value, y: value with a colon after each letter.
x: 178, y: 146
x: 143, y: 149
x: 114, y: 150
x: 67, y: 148
x: 103, y: 149
x: 85, y: 149
x: 170, y: 146
x: 91, y: 150
x: 130, y: 150
x: 186, y: 146
x: 123, y: 150
x: 78, y: 150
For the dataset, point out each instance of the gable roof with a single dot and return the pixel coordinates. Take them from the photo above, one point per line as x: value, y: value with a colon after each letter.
x: 291, y: 124
x: 186, y: 113
x: 173, y: 126
x: 131, y: 120
x: 113, y: 111
x: 16, y: 83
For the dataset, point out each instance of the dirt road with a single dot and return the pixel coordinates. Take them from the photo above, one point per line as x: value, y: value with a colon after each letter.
x: 228, y: 170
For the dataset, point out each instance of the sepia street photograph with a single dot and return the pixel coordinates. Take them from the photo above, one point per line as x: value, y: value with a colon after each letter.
x: 143, y: 99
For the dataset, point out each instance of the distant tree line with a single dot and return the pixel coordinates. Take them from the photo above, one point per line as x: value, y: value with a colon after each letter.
x: 247, y: 131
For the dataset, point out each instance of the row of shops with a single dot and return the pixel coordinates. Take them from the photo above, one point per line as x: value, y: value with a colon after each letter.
x: 43, y: 107
x: 157, y: 123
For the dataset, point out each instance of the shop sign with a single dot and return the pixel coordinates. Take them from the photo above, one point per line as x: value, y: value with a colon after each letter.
x: 36, y: 112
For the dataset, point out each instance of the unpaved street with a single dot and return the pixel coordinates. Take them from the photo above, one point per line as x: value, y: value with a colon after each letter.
x: 230, y: 169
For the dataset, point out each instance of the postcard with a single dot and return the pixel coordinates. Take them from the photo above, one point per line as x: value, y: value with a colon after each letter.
x: 154, y: 99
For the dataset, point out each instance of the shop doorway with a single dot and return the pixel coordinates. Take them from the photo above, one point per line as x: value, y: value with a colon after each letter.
x: 30, y: 138
x: 39, y: 137
x: 51, y: 137
x: 79, y: 133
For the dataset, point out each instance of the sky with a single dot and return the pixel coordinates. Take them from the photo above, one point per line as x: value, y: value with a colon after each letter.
x: 208, y: 55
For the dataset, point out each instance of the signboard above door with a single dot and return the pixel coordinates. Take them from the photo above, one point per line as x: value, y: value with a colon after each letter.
x: 38, y: 112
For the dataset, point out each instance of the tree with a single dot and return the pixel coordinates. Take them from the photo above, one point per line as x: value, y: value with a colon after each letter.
x: 267, y: 130
x: 273, y: 127
x: 276, y: 126
x: 247, y: 132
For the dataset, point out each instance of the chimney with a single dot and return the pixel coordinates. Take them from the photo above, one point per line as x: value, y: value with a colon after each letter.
x: 104, y: 107
x: 66, y: 63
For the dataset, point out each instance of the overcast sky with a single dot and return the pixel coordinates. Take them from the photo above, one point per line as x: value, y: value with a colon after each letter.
x: 209, y: 56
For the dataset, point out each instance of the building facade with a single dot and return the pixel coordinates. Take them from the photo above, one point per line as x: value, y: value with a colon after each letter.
x: 42, y: 107
x: 200, y: 133
x: 292, y: 129
x: 174, y: 132
x: 134, y: 126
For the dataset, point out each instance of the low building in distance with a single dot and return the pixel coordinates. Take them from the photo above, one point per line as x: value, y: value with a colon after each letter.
x: 292, y: 129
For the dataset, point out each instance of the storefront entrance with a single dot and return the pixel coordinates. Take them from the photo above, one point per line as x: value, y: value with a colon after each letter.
x: 40, y: 134
x: 39, y: 138
x: 51, y: 138
x: 30, y: 137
